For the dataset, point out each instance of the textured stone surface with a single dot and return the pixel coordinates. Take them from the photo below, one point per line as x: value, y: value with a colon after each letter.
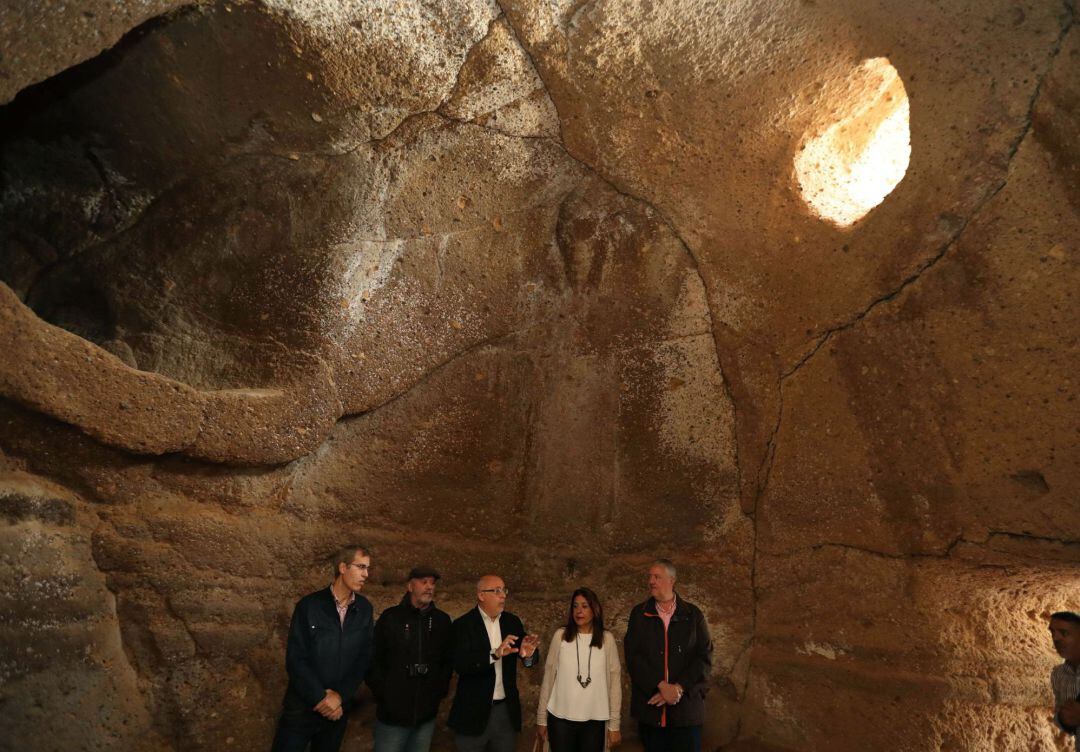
x: 64, y: 664
x: 530, y: 287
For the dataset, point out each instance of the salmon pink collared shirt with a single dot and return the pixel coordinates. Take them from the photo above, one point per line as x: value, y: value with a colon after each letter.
x: 666, y: 616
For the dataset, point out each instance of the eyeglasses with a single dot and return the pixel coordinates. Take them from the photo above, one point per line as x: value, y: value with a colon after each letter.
x: 361, y: 567
x: 496, y: 590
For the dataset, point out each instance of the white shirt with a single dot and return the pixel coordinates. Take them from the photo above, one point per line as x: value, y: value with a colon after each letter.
x: 569, y: 700
x: 495, y: 638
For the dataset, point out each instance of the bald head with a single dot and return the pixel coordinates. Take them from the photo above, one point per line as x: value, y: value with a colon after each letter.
x: 491, y: 594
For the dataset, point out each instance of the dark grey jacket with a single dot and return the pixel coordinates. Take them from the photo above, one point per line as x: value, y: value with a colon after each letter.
x: 683, y: 654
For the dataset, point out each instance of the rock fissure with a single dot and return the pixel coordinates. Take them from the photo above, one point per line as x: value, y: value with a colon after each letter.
x: 930, y: 263
x: 946, y: 553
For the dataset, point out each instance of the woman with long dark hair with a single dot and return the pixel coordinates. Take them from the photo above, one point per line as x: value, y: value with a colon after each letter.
x: 581, y: 697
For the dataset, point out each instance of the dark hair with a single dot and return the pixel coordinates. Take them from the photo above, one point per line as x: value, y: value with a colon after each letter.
x: 346, y: 554
x: 1066, y: 616
x: 597, y: 618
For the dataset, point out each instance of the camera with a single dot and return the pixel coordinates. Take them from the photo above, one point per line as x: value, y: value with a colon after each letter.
x: 418, y: 669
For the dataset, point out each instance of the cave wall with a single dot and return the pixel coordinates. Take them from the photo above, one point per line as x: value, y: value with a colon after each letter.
x: 530, y: 288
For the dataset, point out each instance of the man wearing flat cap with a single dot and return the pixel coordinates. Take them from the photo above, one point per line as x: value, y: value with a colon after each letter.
x: 413, y: 662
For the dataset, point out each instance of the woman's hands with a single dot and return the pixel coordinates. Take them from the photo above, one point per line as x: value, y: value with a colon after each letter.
x: 613, y: 738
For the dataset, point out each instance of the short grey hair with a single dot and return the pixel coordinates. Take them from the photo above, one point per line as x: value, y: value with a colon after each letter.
x: 667, y: 564
x: 346, y: 554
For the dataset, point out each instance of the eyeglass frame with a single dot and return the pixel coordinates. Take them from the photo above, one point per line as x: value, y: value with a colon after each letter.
x: 496, y: 590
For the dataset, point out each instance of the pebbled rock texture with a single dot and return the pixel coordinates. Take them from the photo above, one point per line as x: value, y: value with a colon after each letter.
x: 530, y: 287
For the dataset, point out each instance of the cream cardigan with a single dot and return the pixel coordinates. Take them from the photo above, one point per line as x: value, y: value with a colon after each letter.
x: 614, y: 679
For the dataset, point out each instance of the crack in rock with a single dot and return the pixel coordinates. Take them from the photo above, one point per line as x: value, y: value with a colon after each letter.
x: 928, y: 264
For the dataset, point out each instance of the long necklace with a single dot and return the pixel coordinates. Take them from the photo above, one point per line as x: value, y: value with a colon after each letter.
x: 577, y: 654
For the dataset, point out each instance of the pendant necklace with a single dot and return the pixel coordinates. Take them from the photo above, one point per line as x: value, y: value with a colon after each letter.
x: 588, y: 679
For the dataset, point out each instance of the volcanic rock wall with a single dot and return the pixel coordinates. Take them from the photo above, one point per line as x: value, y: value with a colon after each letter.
x: 534, y: 288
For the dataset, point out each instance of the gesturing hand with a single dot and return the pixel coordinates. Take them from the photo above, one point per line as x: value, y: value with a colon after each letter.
x: 506, y: 647
x: 528, y: 645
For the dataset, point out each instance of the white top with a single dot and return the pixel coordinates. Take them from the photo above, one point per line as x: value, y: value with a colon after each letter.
x: 569, y: 700
x: 495, y: 638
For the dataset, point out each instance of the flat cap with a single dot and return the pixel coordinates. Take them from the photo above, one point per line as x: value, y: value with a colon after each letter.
x: 419, y: 573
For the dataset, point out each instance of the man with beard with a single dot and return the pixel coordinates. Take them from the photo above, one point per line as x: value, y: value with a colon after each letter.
x: 413, y: 663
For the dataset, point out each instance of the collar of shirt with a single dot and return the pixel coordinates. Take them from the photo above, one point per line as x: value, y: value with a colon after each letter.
x: 342, y: 606
x: 667, y: 612
x: 495, y: 638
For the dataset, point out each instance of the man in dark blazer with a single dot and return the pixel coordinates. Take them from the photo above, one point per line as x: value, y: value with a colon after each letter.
x: 328, y: 653
x: 486, y: 713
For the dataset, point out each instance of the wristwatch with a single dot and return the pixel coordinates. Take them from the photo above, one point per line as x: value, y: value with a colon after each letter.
x: 495, y: 654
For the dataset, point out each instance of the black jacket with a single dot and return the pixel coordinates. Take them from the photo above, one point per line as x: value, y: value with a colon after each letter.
x: 684, y: 655
x: 476, y: 672
x: 405, y: 637
x: 322, y: 653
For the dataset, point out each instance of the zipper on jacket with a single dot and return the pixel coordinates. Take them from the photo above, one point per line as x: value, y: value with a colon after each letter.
x: 419, y: 659
x: 663, y: 708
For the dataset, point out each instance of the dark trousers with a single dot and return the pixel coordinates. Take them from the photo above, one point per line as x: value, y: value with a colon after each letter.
x: 297, y: 729
x: 575, y: 736
x: 499, y: 736
x: 671, y: 738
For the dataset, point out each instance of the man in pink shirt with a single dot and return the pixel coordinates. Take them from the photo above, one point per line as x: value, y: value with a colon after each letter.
x: 669, y: 658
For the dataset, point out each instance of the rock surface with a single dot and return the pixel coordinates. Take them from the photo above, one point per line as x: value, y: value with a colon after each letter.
x: 530, y: 287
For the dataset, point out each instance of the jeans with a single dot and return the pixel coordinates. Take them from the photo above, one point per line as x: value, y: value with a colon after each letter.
x: 389, y: 738
x: 576, y: 736
x: 670, y: 739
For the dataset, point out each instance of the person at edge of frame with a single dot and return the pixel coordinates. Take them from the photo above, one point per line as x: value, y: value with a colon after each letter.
x: 1065, y: 678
